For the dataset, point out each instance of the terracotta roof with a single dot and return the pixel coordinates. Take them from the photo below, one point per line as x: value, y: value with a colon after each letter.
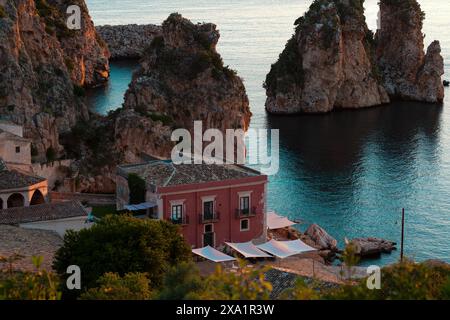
x: 165, y: 173
x: 42, y: 212
x: 13, y: 179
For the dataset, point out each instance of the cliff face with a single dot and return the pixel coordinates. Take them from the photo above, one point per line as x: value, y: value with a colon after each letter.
x: 43, y: 63
x: 182, y: 79
x: 408, y: 73
x: 128, y: 41
x: 327, y: 63
x: 334, y: 61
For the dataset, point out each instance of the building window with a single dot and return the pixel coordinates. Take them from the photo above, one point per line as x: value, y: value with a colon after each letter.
x: 17, y: 149
x: 208, y: 210
x: 209, y: 228
x: 177, y: 213
x: 245, y: 225
x: 244, y: 204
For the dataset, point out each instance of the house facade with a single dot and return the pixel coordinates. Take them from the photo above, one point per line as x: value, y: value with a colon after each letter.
x: 15, y: 150
x: 212, y: 204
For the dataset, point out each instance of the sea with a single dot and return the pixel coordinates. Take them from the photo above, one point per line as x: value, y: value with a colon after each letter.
x: 351, y: 172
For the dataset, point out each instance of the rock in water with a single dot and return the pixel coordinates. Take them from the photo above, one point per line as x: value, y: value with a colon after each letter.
x: 368, y: 247
x: 182, y: 79
x: 327, y: 64
x: 43, y: 67
x: 321, y: 238
x: 408, y: 73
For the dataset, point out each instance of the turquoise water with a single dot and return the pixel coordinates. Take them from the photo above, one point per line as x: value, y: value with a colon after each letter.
x: 352, y: 171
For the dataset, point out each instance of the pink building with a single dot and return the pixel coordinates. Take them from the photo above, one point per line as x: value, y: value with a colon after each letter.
x: 213, y: 204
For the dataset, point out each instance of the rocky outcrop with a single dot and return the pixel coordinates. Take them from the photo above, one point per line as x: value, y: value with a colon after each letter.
x: 128, y: 41
x: 182, y: 79
x: 408, y: 73
x: 327, y: 64
x: 370, y: 247
x: 44, y: 66
x: 334, y: 61
x: 321, y: 238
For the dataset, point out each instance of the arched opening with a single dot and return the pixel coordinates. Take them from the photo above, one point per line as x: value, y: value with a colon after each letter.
x: 16, y: 200
x: 1, y: 203
x: 38, y: 198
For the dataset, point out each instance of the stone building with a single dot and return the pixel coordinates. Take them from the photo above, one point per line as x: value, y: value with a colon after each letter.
x: 15, y: 150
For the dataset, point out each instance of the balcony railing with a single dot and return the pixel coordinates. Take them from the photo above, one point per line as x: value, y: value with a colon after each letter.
x: 181, y: 221
x: 209, y: 217
x: 245, y: 213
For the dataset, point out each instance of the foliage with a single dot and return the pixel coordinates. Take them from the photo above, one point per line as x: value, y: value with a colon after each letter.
x: 38, y: 285
x: 111, y: 286
x: 165, y: 119
x: 402, y: 281
x: 51, y: 154
x: 301, y: 291
x: 137, y: 188
x: 103, y: 211
x: 79, y: 91
x: 2, y: 12
x: 122, y: 244
x: 406, y: 8
x: 350, y: 257
x: 246, y: 283
x: 181, y: 282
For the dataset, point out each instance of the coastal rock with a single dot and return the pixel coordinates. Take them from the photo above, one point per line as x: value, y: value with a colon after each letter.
x: 43, y: 66
x: 128, y: 41
x: 321, y: 238
x: 368, y: 247
x: 327, y: 64
x: 182, y: 79
x: 408, y: 73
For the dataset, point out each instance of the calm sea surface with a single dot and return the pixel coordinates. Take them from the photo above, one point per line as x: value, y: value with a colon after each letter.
x: 351, y: 172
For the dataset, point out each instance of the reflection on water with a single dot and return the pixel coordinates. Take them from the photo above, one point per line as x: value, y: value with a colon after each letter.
x: 353, y: 171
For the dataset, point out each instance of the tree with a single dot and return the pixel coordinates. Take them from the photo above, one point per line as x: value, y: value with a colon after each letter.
x: 137, y: 188
x: 181, y: 282
x: 245, y: 284
x: 111, y: 286
x: 122, y: 244
x: 38, y: 285
x: 301, y: 291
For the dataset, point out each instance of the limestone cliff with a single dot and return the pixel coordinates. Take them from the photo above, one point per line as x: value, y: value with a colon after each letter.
x: 128, y: 41
x: 408, y: 73
x: 43, y: 66
x: 327, y: 64
x: 182, y: 79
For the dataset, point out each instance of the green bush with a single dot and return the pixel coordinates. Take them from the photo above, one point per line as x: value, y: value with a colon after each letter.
x: 51, y: 154
x: 111, y: 286
x: 402, y: 281
x: 2, y: 12
x: 122, y: 244
x: 181, y: 282
x: 38, y: 285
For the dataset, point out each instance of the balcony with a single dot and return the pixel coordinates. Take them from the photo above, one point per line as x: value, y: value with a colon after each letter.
x: 245, y: 213
x: 183, y: 221
x: 209, y: 217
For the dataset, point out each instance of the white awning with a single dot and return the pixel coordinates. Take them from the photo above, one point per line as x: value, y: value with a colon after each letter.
x: 248, y: 250
x: 212, y: 254
x: 141, y: 206
x: 285, y: 249
x: 275, y: 221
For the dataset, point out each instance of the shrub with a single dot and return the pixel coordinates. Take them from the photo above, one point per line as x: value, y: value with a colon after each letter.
x: 246, y: 284
x: 181, y: 282
x: 79, y: 91
x: 137, y: 188
x: 38, y: 285
x: 402, y: 281
x: 2, y: 12
x: 122, y: 244
x: 51, y: 154
x: 111, y: 286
